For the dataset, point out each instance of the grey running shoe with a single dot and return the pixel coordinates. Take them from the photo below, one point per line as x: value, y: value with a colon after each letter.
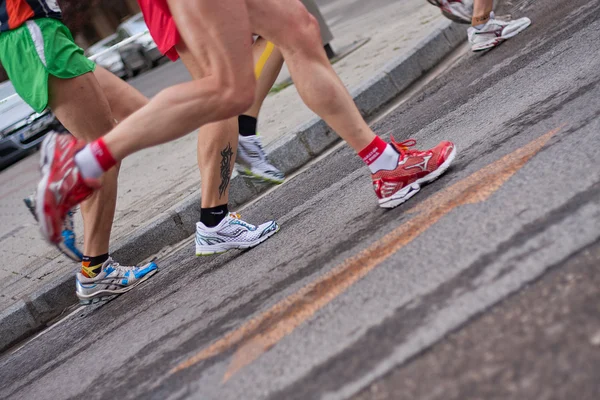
x: 113, y: 279
x: 494, y: 32
x: 231, y: 233
x: 252, y: 161
x: 68, y: 245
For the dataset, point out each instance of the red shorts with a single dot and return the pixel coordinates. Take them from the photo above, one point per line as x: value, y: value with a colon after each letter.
x: 161, y: 26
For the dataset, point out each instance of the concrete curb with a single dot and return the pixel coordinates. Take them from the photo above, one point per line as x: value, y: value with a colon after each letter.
x: 289, y: 153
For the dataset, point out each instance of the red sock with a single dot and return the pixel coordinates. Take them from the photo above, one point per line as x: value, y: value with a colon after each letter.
x: 102, y: 155
x: 372, y: 152
x: 379, y: 155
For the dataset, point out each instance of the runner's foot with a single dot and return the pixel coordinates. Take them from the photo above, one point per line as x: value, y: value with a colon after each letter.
x: 113, y: 279
x: 68, y: 245
x: 62, y: 186
x: 252, y: 161
x: 415, y: 168
x: 231, y: 233
x: 494, y: 32
x: 460, y: 11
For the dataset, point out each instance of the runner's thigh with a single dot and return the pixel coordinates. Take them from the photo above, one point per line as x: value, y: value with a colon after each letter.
x: 216, y: 32
x: 283, y: 22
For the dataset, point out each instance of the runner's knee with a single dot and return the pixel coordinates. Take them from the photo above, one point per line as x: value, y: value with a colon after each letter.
x: 303, y: 30
x: 237, y: 93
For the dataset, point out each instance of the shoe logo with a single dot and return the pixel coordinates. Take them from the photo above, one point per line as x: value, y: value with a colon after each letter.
x: 422, y: 165
x: 55, y: 186
x: 233, y: 234
x: 389, y: 188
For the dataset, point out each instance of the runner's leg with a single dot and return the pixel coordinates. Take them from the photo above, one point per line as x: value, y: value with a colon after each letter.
x: 217, y: 144
x: 123, y: 98
x: 481, y: 11
x: 266, y: 72
x: 252, y: 161
x: 221, y: 35
x: 82, y: 108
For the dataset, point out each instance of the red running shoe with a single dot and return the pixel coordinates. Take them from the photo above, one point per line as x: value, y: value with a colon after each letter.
x: 415, y: 167
x: 62, y: 187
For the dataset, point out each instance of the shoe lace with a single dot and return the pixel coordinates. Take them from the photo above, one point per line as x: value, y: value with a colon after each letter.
x: 241, y: 222
x: 404, y: 147
x: 122, y: 269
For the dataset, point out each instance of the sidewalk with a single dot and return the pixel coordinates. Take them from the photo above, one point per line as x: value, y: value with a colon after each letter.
x: 158, y: 201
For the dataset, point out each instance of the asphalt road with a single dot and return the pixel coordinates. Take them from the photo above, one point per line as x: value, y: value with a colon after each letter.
x: 431, y: 300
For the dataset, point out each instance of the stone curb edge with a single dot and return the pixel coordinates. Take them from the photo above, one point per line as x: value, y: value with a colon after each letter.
x: 289, y: 153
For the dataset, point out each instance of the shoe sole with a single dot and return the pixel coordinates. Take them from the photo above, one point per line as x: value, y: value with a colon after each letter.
x: 103, y: 295
x: 68, y: 252
x: 456, y: 18
x: 249, y: 174
x: 47, y: 150
x: 407, y: 192
x: 74, y: 255
x: 236, y: 246
x: 497, y: 41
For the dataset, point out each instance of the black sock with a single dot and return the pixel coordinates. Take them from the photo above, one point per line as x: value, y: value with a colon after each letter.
x: 211, y: 217
x: 90, y: 266
x: 247, y: 125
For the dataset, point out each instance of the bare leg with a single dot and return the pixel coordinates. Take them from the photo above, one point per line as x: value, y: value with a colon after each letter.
x: 123, y: 98
x: 81, y: 107
x: 220, y: 34
x: 481, y: 11
x: 266, y: 74
x: 217, y: 145
x: 290, y: 27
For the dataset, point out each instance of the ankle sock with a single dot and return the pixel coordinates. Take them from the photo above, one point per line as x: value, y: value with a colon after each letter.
x: 91, y: 266
x: 247, y: 125
x: 94, y: 159
x: 379, y: 155
x: 213, y: 216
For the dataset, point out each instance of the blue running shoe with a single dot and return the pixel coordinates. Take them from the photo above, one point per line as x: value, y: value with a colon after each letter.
x: 68, y: 246
x: 113, y: 279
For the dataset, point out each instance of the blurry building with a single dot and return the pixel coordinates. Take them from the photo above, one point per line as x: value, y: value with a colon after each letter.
x: 103, y: 19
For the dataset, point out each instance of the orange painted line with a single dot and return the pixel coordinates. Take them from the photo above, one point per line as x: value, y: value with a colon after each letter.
x: 262, y: 332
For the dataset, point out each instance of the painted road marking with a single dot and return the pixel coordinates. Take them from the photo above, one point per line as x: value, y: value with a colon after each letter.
x: 258, y: 335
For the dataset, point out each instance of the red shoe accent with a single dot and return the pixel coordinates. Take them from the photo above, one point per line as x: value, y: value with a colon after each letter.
x: 62, y: 187
x: 415, y: 167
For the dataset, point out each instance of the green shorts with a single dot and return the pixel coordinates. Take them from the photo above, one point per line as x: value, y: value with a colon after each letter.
x: 36, y: 49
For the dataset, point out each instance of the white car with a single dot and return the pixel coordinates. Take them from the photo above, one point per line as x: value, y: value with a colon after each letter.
x: 142, y: 53
x: 109, y: 59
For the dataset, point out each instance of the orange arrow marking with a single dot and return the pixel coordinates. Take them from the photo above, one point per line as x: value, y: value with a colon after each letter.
x: 262, y: 332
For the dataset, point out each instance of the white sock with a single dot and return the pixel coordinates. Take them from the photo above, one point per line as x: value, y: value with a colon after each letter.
x: 87, y: 163
x: 388, y: 160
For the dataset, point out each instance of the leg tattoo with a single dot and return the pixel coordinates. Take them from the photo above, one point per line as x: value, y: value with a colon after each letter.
x: 226, y: 157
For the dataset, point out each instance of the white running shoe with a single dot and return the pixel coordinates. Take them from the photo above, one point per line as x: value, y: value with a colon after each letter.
x: 460, y: 11
x: 252, y: 161
x: 231, y: 233
x: 495, y: 32
x: 112, y: 280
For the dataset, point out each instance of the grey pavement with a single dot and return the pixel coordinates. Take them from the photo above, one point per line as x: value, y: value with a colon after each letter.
x: 347, y: 292
x: 542, y: 344
x: 160, y: 208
